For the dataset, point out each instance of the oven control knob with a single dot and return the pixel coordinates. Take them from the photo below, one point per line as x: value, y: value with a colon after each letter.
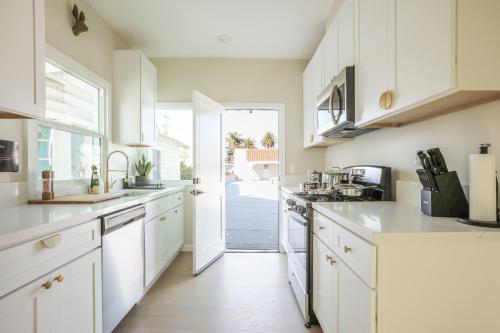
x: 300, y: 209
x: 290, y: 202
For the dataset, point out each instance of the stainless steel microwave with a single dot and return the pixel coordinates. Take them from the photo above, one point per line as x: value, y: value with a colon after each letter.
x: 335, y: 109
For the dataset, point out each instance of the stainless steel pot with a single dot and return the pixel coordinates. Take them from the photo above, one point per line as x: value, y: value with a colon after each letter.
x: 350, y: 190
x: 332, y: 179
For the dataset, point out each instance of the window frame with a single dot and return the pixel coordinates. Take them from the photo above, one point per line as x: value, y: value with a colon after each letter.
x: 177, y: 106
x: 68, y: 64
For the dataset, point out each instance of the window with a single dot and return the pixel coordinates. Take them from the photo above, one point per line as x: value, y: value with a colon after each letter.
x: 173, y: 155
x: 69, y: 155
x: 70, y: 100
x: 73, y: 136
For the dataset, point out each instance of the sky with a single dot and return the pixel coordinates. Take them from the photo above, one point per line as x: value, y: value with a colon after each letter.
x: 253, y: 125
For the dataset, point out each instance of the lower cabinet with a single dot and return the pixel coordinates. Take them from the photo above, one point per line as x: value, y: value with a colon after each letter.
x: 163, y: 237
x: 325, y: 286
x: 342, y: 302
x: 356, y: 303
x: 69, y: 299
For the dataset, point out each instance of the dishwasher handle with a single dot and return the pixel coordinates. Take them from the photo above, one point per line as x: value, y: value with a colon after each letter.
x: 121, y: 218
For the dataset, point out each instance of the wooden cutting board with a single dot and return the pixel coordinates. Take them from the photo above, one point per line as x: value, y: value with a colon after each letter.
x: 79, y: 199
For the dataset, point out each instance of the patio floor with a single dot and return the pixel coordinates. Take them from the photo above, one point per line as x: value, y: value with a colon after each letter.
x: 252, y: 215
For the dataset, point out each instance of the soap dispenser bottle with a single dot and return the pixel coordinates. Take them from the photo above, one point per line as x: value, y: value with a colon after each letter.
x: 94, y: 182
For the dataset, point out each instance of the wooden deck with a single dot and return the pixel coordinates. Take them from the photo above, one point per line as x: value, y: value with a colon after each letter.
x: 252, y: 215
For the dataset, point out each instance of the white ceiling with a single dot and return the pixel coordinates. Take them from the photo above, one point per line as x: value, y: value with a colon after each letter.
x: 289, y: 29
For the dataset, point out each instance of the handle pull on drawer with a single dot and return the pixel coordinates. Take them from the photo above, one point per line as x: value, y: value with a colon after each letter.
x: 52, y: 241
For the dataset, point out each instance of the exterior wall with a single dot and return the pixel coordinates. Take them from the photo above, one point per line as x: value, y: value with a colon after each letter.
x: 253, y: 170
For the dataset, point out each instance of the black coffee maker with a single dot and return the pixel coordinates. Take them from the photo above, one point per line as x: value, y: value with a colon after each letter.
x: 9, y: 156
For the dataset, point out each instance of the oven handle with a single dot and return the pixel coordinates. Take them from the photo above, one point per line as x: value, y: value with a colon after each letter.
x: 296, y: 217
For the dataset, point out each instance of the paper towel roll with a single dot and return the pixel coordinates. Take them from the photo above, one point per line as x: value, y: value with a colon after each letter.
x: 482, y: 187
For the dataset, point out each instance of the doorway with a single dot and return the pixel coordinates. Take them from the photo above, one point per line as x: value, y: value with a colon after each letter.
x: 252, y: 173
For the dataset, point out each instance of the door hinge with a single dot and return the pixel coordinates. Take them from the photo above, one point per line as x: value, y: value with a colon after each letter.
x: 196, y: 180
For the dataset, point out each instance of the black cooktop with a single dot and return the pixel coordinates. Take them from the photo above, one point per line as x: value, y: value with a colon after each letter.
x: 331, y: 197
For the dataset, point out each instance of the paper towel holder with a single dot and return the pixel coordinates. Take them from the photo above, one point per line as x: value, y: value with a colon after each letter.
x: 483, y: 149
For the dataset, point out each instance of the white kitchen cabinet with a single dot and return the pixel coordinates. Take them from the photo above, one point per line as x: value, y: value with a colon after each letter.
x: 330, y: 54
x: 356, y: 303
x: 316, y: 64
x: 156, y: 243
x: 308, y: 104
x: 426, y: 55
x: 345, y: 22
x: 69, y: 299
x: 375, y: 63
x: 22, y: 59
x: 163, y: 234
x: 419, y: 45
x: 325, y: 286
x: 134, y: 98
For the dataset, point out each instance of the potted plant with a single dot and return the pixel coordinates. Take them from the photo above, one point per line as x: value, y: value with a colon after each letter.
x: 144, y: 169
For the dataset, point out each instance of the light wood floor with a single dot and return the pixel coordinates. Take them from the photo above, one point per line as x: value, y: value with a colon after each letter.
x: 240, y: 293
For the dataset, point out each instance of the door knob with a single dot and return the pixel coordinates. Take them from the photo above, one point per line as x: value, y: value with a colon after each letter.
x: 47, y: 285
x: 196, y: 192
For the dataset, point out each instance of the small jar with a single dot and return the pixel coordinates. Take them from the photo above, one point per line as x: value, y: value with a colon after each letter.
x: 47, y: 185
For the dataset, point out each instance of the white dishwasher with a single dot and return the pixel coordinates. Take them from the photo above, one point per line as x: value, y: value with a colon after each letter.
x: 122, y: 263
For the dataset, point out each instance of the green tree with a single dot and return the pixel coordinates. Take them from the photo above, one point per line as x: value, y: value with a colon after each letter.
x: 248, y: 143
x: 233, y: 140
x: 269, y: 140
x: 186, y: 171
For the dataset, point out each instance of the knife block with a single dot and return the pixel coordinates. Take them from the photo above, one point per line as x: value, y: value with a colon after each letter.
x: 448, y: 200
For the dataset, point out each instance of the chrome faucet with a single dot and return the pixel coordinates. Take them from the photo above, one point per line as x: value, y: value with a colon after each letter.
x: 106, y: 172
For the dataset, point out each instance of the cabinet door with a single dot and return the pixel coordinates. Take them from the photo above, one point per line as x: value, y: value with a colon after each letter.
x: 178, y: 228
x: 22, y: 68
x: 424, y: 49
x: 375, y: 62
x: 72, y: 305
x: 330, y: 53
x: 345, y: 20
x: 317, y: 72
x: 356, y: 303
x: 148, y: 100
x: 155, y: 244
x: 325, y: 286
x: 77, y: 300
x: 308, y: 101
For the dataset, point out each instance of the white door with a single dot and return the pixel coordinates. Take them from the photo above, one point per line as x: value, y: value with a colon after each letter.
x: 209, y: 192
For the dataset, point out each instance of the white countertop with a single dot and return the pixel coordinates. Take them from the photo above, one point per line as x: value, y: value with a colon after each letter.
x: 290, y: 189
x: 22, y: 223
x: 367, y: 219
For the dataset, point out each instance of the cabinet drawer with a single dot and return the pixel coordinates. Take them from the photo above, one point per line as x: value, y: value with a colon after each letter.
x: 178, y: 198
x: 359, y: 255
x: 159, y: 206
x: 323, y: 229
x: 28, y: 261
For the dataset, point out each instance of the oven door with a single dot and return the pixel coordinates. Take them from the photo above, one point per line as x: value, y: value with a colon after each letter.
x: 298, y: 244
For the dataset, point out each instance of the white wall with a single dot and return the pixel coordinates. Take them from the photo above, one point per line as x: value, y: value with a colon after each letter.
x: 93, y: 49
x: 245, y: 81
x: 457, y: 134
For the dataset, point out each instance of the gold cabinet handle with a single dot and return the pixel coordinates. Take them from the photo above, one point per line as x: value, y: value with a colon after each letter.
x: 385, y: 100
x: 163, y: 218
x: 47, y: 285
x: 52, y: 241
x: 347, y: 249
x: 331, y: 260
x: 59, y: 278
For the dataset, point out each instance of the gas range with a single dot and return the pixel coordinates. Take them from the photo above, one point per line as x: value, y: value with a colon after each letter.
x: 373, y: 183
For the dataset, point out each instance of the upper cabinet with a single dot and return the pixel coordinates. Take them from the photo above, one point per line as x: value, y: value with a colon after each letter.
x: 330, y: 54
x: 374, y: 68
x: 134, y: 98
x: 417, y: 59
x: 22, y: 78
x: 345, y: 23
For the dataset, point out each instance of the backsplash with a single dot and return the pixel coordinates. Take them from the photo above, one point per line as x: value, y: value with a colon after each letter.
x: 457, y: 134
